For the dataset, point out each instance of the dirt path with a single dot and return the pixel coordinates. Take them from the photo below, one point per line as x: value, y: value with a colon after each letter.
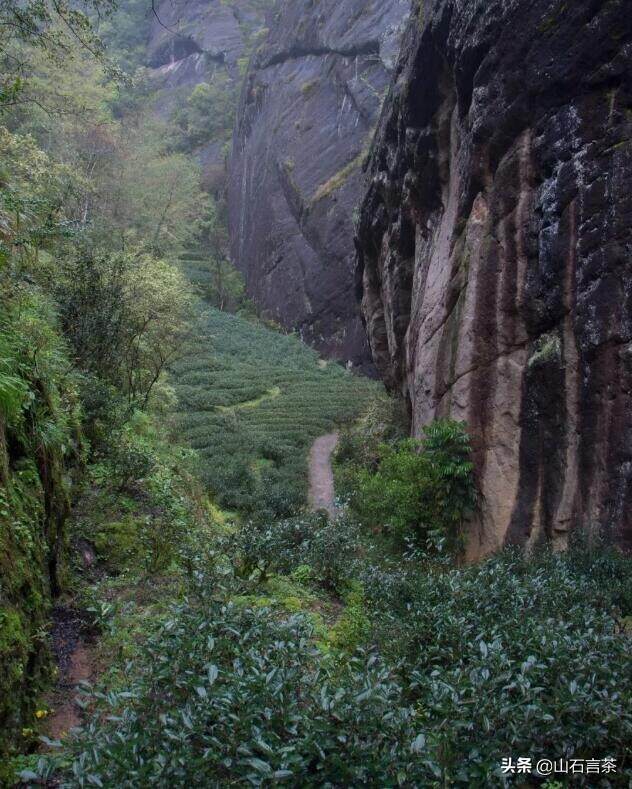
x: 76, y: 665
x: 321, y: 475
x: 68, y: 715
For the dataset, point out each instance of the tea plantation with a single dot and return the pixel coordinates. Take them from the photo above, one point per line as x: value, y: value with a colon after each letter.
x: 251, y: 401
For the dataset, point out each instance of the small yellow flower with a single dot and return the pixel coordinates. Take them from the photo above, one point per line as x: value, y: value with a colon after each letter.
x: 41, y: 714
x: 27, y: 732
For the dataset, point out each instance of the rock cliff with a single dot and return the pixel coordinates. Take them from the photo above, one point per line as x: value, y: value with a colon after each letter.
x: 203, y: 42
x: 495, y: 254
x: 308, y: 111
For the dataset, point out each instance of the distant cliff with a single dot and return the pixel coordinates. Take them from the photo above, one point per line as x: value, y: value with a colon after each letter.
x: 195, y: 42
x: 495, y: 253
x: 308, y: 112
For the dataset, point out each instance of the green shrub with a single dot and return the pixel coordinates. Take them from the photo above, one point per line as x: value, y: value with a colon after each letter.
x: 224, y: 694
x: 521, y: 656
x: 422, y: 488
x: 331, y: 551
x: 510, y: 656
x: 129, y: 460
x: 383, y: 422
x: 328, y: 548
x: 353, y: 628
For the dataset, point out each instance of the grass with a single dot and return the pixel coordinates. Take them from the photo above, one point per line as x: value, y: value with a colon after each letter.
x: 251, y: 402
x: 339, y: 179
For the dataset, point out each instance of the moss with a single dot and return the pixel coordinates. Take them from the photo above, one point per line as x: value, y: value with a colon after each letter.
x: 25, y: 660
x: 309, y: 87
x: 353, y: 627
x: 421, y: 13
x: 38, y: 442
x: 118, y: 543
x: 551, y: 20
x: 548, y: 349
x: 338, y: 180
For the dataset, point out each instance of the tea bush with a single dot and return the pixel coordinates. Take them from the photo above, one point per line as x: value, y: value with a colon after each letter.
x: 328, y: 548
x: 251, y: 402
x: 513, y: 656
x: 222, y: 694
x: 519, y: 656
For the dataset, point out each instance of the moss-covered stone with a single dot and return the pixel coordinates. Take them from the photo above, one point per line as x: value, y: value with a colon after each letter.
x: 25, y: 659
x: 39, y: 442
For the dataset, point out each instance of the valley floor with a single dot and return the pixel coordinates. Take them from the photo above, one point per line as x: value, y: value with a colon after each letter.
x: 271, y: 635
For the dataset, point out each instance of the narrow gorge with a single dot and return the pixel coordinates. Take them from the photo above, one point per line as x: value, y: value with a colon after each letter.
x: 315, y: 393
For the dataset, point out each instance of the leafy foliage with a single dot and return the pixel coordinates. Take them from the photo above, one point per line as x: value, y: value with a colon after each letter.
x: 328, y: 548
x: 91, y: 207
x: 517, y: 654
x: 207, y: 114
x: 125, y: 316
x: 422, y: 488
x: 228, y: 694
x: 56, y: 29
x: 39, y: 442
x: 222, y: 693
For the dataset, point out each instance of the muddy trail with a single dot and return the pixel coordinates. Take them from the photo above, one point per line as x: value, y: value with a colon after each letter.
x: 73, y: 647
x: 321, y: 475
x: 75, y: 660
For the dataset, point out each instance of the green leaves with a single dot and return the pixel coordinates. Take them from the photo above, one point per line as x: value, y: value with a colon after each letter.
x: 510, y: 654
x: 422, y: 488
x: 251, y: 402
x: 274, y: 712
x: 514, y: 653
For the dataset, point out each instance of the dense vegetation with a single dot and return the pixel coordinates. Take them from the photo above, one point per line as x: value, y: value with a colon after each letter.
x: 427, y: 677
x: 240, y: 639
x: 94, y: 211
x: 251, y: 402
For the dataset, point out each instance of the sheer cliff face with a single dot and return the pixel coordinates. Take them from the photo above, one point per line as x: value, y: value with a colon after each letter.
x: 308, y: 111
x: 202, y: 41
x: 495, y: 254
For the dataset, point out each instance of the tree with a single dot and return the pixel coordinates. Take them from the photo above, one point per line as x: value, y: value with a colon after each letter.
x: 33, y: 193
x: 56, y: 28
x: 125, y: 315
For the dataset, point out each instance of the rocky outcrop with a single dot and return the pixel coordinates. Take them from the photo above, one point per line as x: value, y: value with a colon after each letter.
x: 308, y: 111
x: 195, y: 42
x: 495, y: 254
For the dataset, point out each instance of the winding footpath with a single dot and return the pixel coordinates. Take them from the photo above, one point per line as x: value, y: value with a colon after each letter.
x: 321, y: 475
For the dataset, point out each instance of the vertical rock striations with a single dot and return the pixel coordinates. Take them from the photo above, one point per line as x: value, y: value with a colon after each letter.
x: 495, y: 253
x: 308, y: 111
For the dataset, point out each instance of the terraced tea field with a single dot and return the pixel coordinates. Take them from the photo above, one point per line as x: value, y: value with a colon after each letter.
x: 251, y: 402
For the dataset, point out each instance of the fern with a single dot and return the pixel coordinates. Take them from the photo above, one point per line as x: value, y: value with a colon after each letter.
x: 13, y: 388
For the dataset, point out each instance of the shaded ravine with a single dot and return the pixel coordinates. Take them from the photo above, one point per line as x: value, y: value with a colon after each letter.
x: 321, y: 475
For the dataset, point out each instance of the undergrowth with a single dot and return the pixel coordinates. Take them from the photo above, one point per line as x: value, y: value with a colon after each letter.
x: 431, y: 675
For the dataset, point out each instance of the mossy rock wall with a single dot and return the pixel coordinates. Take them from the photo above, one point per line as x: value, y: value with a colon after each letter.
x: 34, y: 504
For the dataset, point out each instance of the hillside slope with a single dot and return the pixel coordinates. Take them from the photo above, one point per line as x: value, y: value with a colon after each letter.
x: 251, y: 401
